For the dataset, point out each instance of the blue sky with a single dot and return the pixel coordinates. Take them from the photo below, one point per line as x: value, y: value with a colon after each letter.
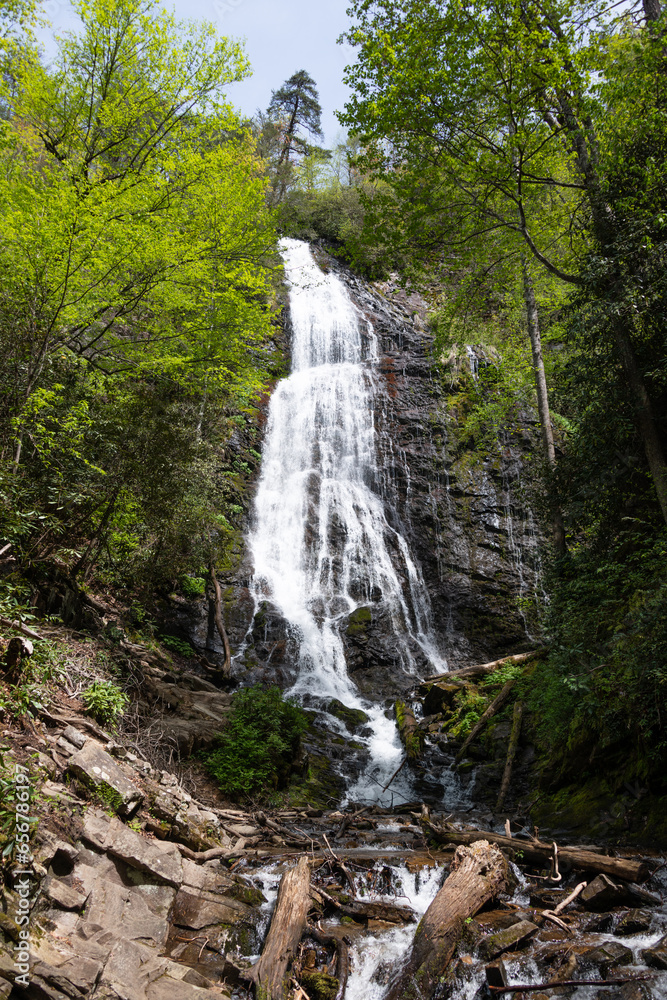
x: 281, y: 37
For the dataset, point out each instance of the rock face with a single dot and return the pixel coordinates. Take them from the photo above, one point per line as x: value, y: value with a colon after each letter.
x: 461, y: 511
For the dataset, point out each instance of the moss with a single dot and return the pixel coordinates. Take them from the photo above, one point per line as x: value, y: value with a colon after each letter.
x: 353, y: 718
x: 320, y: 986
x: 358, y: 622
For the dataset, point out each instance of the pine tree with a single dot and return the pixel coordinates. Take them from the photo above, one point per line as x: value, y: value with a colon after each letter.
x: 296, y: 103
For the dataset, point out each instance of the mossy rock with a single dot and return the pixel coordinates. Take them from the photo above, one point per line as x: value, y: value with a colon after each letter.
x: 320, y: 986
x: 353, y: 718
x: 358, y: 622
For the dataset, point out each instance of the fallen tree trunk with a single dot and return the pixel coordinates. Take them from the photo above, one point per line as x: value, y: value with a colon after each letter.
x: 511, y: 754
x: 360, y: 910
x: 340, y: 945
x: 410, y: 733
x: 287, y: 925
x: 477, y: 875
x: 480, y: 669
x: 493, y: 708
x: 541, y: 853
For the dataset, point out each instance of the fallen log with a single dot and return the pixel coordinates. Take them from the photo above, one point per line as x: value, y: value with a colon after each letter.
x: 8, y: 623
x: 511, y: 754
x: 287, y: 925
x: 493, y: 708
x: 477, y: 875
x: 480, y: 669
x: 340, y: 945
x: 410, y: 733
x: 362, y: 910
x: 536, y: 851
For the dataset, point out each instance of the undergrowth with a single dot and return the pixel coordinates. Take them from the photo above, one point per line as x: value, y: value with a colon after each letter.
x: 257, y: 748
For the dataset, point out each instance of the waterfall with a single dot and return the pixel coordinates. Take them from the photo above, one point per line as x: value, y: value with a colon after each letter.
x: 322, y: 545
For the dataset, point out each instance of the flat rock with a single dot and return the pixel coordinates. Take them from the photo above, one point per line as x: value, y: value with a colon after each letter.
x: 509, y: 937
x: 196, y: 912
x: 656, y: 956
x: 607, y: 956
x: 167, y: 988
x: 74, y: 736
x: 96, y: 768
x: 634, y: 922
x: 63, y: 895
x: 157, y: 857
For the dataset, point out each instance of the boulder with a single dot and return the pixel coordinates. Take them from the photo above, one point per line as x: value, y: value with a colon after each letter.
x: 634, y: 922
x: 510, y: 937
x: 656, y: 956
x: 603, y: 894
x: 157, y: 857
x: 97, y: 769
x: 607, y: 956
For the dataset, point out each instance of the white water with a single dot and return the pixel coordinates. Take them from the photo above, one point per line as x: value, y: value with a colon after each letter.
x: 322, y: 545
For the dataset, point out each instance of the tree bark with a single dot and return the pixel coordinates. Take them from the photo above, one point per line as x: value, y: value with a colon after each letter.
x: 287, y: 925
x: 493, y: 708
x: 652, y: 10
x: 533, y: 321
x: 408, y: 729
x: 511, y: 753
x: 481, y: 669
x: 220, y: 625
x: 477, y: 875
x: 535, y: 851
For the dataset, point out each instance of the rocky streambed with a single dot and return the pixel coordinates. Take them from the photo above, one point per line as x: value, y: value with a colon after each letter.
x: 137, y: 890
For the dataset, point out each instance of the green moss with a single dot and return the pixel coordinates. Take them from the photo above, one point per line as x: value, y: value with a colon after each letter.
x: 358, y: 622
x: 320, y: 986
x: 353, y: 718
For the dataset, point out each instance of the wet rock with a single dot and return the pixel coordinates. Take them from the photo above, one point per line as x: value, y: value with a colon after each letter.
x: 656, y: 956
x: 603, y: 894
x: 496, y: 974
x: 634, y: 922
x: 504, y: 940
x: 607, y: 956
x: 353, y: 718
x: 97, y: 769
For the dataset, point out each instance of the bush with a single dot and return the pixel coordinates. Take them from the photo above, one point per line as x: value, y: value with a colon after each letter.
x: 104, y: 701
x: 259, y: 744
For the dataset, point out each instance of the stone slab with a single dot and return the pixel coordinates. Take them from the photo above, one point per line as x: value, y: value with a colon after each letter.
x: 97, y: 769
x: 157, y: 857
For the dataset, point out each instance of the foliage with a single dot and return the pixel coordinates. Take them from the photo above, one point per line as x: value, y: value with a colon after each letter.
x: 105, y: 701
x: 256, y: 750
x: 179, y: 646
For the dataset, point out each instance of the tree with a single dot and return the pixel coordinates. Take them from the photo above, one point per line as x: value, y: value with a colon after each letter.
x: 503, y: 102
x: 296, y: 107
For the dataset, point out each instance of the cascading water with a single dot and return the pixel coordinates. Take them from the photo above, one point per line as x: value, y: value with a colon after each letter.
x: 322, y: 545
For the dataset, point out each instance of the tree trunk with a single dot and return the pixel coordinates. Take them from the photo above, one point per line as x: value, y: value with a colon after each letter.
x: 652, y: 10
x: 533, y: 321
x: 535, y: 851
x: 477, y: 875
x: 408, y: 730
x: 287, y: 925
x: 220, y: 625
x: 481, y: 669
x: 645, y: 417
x: 493, y: 708
x: 511, y: 753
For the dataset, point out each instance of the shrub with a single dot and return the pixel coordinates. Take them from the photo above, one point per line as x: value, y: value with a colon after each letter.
x: 259, y: 744
x: 105, y: 701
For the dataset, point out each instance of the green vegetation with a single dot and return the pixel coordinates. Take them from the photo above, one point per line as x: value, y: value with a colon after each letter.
x: 259, y: 744
x: 105, y: 701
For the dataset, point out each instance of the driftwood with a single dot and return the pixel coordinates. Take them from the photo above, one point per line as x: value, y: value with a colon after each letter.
x: 287, y: 925
x: 410, y: 733
x: 220, y: 625
x: 361, y: 910
x: 477, y: 875
x: 493, y: 708
x: 511, y: 753
x: 480, y: 669
x: 536, y: 851
x: 340, y: 944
